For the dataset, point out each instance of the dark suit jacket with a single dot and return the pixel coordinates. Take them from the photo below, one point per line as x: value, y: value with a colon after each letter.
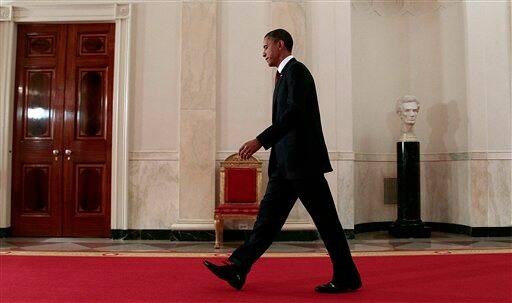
x: 295, y: 136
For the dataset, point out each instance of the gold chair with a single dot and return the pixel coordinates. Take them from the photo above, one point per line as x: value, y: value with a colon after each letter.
x: 240, y: 184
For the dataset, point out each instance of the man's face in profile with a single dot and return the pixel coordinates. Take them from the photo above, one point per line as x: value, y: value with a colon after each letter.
x: 271, y: 50
x: 409, y: 112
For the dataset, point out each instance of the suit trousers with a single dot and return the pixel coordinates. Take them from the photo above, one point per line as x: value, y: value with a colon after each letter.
x: 280, y: 196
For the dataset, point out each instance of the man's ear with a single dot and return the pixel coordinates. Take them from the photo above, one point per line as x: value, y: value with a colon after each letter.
x: 280, y: 44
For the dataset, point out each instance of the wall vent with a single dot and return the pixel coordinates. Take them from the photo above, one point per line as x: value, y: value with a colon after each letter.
x: 390, y: 191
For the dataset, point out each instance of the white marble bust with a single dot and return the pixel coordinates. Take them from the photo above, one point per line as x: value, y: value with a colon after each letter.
x: 407, y: 107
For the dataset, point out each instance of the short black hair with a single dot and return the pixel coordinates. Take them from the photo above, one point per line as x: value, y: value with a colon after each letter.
x: 281, y: 34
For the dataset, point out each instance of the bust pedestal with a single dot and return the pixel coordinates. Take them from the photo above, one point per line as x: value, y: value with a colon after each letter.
x: 408, y: 224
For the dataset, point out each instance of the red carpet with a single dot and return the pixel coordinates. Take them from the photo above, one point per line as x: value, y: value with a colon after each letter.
x: 439, y: 278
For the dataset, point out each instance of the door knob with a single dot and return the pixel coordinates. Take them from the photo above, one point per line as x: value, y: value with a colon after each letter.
x: 56, y: 153
x: 68, y: 153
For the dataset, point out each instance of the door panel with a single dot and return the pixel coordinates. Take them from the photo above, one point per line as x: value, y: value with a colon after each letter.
x: 38, y: 103
x: 89, y: 189
x: 91, y: 110
x: 87, y: 130
x: 37, y: 171
x: 36, y: 194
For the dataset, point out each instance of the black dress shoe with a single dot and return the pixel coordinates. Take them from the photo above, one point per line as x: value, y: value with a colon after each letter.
x: 334, y: 287
x: 227, y: 272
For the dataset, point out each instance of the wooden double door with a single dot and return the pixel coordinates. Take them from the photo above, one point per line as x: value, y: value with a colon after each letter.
x: 62, y: 130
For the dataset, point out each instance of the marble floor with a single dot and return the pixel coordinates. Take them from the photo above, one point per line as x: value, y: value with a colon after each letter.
x: 372, y: 243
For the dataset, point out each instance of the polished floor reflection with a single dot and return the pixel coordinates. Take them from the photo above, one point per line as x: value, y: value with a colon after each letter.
x: 364, y: 243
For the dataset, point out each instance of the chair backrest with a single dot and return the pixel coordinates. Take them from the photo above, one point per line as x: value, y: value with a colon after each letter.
x: 240, y: 180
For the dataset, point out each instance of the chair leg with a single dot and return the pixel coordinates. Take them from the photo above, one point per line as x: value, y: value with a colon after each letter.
x: 219, y: 231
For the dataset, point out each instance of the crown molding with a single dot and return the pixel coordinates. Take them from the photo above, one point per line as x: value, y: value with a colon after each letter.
x: 64, y: 11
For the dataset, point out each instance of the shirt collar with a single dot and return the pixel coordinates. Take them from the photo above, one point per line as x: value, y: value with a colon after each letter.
x: 283, y: 63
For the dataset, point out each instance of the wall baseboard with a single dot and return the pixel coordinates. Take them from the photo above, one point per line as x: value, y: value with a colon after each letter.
x: 289, y: 235
x: 209, y: 235
x: 372, y: 226
x: 5, y: 232
x: 505, y: 231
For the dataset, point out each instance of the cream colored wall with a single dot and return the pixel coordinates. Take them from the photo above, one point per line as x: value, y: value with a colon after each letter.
x: 320, y: 58
x: 421, y: 54
x: 488, y: 69
x: 198, y: 83
x: 456, y: 59
x: 155, y: 66
x: 246, y: 82
x: 361, y: 63
x: 154, y: 116
x: 244, y: 102
x: 489, y: 112
x: 244, y: 96
x: 437, y: 77
x: 380, y: 73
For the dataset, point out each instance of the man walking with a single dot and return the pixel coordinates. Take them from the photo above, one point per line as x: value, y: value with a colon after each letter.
x: 298, y: 161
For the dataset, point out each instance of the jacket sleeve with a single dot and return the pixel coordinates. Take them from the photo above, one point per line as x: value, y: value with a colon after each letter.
x: 293, y: 114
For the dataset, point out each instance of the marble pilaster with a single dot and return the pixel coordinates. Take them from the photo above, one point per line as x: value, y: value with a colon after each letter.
x: 345, y: 193
x: 197, y: 112
x: 197, y: 164
x: 479, y: 188
x: 500, y: 198
x: 198, y: 55
x: 291, y: 16
x: 343, y: 87
x: 153, y: 194
x: 445, y: 192
x: 344, y: 109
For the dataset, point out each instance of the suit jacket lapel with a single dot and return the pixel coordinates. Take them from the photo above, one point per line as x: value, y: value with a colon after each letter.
x: 276, y: 89
x: 274, y: 100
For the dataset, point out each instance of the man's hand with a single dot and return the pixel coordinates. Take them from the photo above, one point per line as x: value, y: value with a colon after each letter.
x: 249, y: 148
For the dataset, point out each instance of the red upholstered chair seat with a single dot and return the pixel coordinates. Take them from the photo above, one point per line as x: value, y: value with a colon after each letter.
x: 227, y: 209
x: 239, y: 192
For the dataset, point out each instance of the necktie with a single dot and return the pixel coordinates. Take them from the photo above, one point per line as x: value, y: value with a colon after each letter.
x: 278, y: 76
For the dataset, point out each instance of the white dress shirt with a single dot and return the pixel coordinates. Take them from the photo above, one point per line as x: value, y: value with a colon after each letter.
x: 283, y: 63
